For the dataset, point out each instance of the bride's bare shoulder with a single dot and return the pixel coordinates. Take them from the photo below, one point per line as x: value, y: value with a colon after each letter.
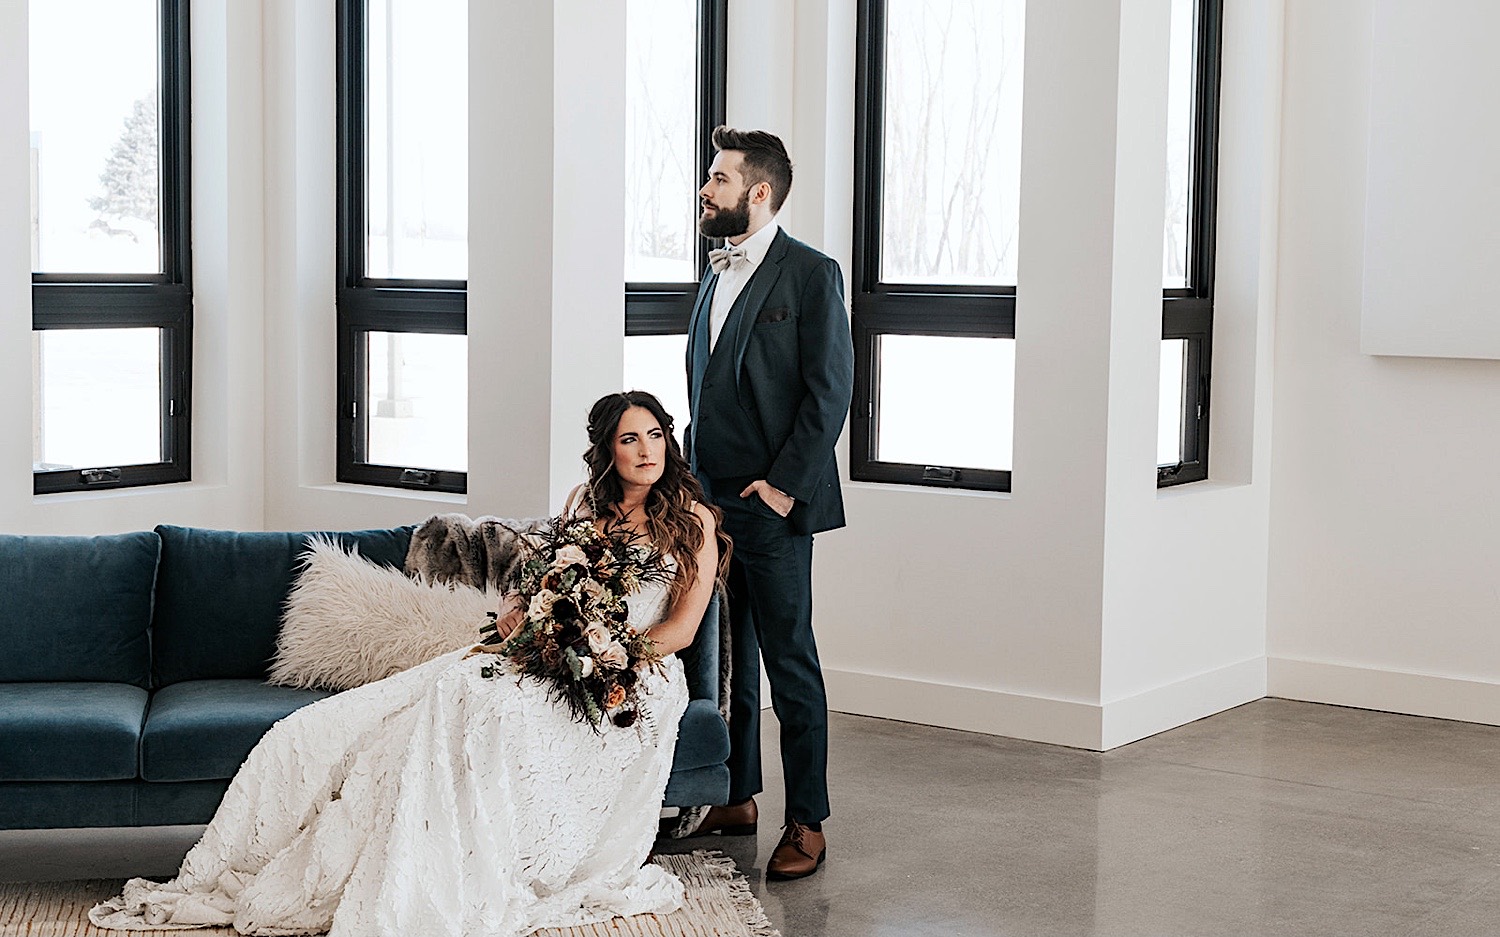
x: 705, y: 516
x: 576, y: 504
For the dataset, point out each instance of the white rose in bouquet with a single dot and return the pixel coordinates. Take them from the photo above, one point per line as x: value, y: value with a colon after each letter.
x: 615, y: 656
x: 541, y: 605
x: 598, y: 637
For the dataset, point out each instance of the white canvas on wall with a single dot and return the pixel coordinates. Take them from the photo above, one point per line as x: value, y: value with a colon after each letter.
x: 1432, y: 190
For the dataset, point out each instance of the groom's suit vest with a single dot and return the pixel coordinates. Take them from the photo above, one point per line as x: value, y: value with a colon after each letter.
x: 726, y: 434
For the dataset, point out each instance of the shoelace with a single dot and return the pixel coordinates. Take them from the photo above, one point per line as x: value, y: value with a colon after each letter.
x: 797, y: 833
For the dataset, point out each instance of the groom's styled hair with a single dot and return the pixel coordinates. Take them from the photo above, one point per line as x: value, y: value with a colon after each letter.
x: 765, y: 159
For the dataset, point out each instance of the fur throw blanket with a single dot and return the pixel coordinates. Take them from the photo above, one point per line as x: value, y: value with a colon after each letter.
x: 482, y: 553
x: 479, y: 553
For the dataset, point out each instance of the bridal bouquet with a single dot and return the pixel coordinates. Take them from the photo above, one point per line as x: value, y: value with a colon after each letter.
x: 575, y: 634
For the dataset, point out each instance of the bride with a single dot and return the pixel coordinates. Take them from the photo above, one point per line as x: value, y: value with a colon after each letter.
x: 438, y: 802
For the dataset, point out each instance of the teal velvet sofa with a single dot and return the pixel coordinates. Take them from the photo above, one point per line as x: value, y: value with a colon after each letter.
x: 133, y: 666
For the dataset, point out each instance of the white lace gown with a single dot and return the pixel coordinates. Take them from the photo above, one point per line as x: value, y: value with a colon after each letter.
x: 435, y: 802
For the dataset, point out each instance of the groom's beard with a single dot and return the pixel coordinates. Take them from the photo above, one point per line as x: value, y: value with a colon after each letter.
x: 727, y: 222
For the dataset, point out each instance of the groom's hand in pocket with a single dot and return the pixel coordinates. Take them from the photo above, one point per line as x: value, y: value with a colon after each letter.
x: 775, y: 499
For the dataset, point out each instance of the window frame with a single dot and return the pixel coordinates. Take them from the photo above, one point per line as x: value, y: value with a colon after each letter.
x: 880, y: 308
x: 369, y: 304
x: 1188, y: 313
x: 68, y: 301
x: 666, y: 308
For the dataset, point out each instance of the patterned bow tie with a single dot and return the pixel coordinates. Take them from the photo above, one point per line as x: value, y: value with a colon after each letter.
x: 722, y: 258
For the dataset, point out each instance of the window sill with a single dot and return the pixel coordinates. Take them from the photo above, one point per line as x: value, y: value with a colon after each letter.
x: 927, y: 490
x: 1205, y: 487
x: 383, y: 491
x: 166, y: 489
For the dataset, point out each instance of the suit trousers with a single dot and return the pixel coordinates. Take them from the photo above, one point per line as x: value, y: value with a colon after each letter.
x: 770, y: 602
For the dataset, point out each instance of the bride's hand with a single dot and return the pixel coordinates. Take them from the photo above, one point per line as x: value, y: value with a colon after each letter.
x: 510, y: 616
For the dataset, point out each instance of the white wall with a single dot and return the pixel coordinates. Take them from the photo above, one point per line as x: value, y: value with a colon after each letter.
x: 1385, y: 523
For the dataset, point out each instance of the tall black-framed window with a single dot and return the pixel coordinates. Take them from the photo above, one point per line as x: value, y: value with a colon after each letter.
x: 111, y: 288
x: 937, y: 188
x: 403, y: 243
x: 1188, y: 265
x: 674, y: 94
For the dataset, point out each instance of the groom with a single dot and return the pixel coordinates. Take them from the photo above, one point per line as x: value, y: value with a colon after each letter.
x: 770, y: 371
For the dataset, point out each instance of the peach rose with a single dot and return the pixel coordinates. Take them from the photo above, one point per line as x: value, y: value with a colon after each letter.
x: 598, y: 638
x: 541, y: 605
x: 614, y: 656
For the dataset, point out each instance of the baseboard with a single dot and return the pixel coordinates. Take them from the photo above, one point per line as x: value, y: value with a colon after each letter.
x: 1044, y: 719
x: 971, y: 709
x: 1166, y: 707
x: 1396, y: 691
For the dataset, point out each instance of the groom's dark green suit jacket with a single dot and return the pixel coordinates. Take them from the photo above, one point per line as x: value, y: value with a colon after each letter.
x: 770, y: 400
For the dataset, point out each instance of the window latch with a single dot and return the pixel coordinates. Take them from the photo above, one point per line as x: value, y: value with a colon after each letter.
x: 417, y: 477
x: 100, y: 476
x: 941, y: 473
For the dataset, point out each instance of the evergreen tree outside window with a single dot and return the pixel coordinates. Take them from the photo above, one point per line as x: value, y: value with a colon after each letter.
x: 111, y: 284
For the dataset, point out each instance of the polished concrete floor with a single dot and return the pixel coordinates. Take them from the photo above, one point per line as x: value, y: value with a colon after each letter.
x: 1274, y: 818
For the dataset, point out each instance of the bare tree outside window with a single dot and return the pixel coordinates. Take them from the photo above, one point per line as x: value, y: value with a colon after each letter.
x: 661, y: 152
x: 417, y: 161
x: 952, y: 141
x: 1180, y: 105
x: 664, y: 40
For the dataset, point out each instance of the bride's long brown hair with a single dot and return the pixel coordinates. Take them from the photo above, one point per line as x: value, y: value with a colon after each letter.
x: 671, y: 524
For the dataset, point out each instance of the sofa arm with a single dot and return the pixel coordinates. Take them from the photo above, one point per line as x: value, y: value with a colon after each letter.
x: 700, y: 660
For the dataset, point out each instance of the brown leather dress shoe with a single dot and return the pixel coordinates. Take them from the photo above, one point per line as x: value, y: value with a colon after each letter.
x: 733, y: 820
x: 799, y: 853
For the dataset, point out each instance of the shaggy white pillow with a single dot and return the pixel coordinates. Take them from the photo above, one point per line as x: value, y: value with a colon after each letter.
x: 349, y: 622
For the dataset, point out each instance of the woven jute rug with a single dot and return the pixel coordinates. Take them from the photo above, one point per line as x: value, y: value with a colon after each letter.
x: 718, y: 904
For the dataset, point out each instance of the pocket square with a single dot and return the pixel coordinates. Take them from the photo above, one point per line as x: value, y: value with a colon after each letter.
x: 772, y: 315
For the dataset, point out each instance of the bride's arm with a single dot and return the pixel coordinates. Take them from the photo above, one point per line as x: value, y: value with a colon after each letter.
x: 676, y: 631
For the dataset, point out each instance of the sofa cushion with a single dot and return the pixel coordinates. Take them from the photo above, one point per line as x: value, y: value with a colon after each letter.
x: 82, y: 731
x: 702, y: 737
x: 219, y: 596
x: 77, y: 608
x: 202, y: 729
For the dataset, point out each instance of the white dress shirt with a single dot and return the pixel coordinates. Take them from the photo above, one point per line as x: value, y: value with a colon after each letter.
x: 732, y: 281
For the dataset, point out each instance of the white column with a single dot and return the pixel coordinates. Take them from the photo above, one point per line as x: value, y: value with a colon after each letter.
x: 1064, y: 301
x: 546, y: 236
x: 588, y: 225
x: 15, y: 268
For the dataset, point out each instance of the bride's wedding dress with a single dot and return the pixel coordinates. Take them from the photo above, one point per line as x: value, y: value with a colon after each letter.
x: 434, y: 802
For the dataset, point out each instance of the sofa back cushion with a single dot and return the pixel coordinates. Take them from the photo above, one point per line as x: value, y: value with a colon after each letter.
x: 77, y: 608
x: 220, y: 594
